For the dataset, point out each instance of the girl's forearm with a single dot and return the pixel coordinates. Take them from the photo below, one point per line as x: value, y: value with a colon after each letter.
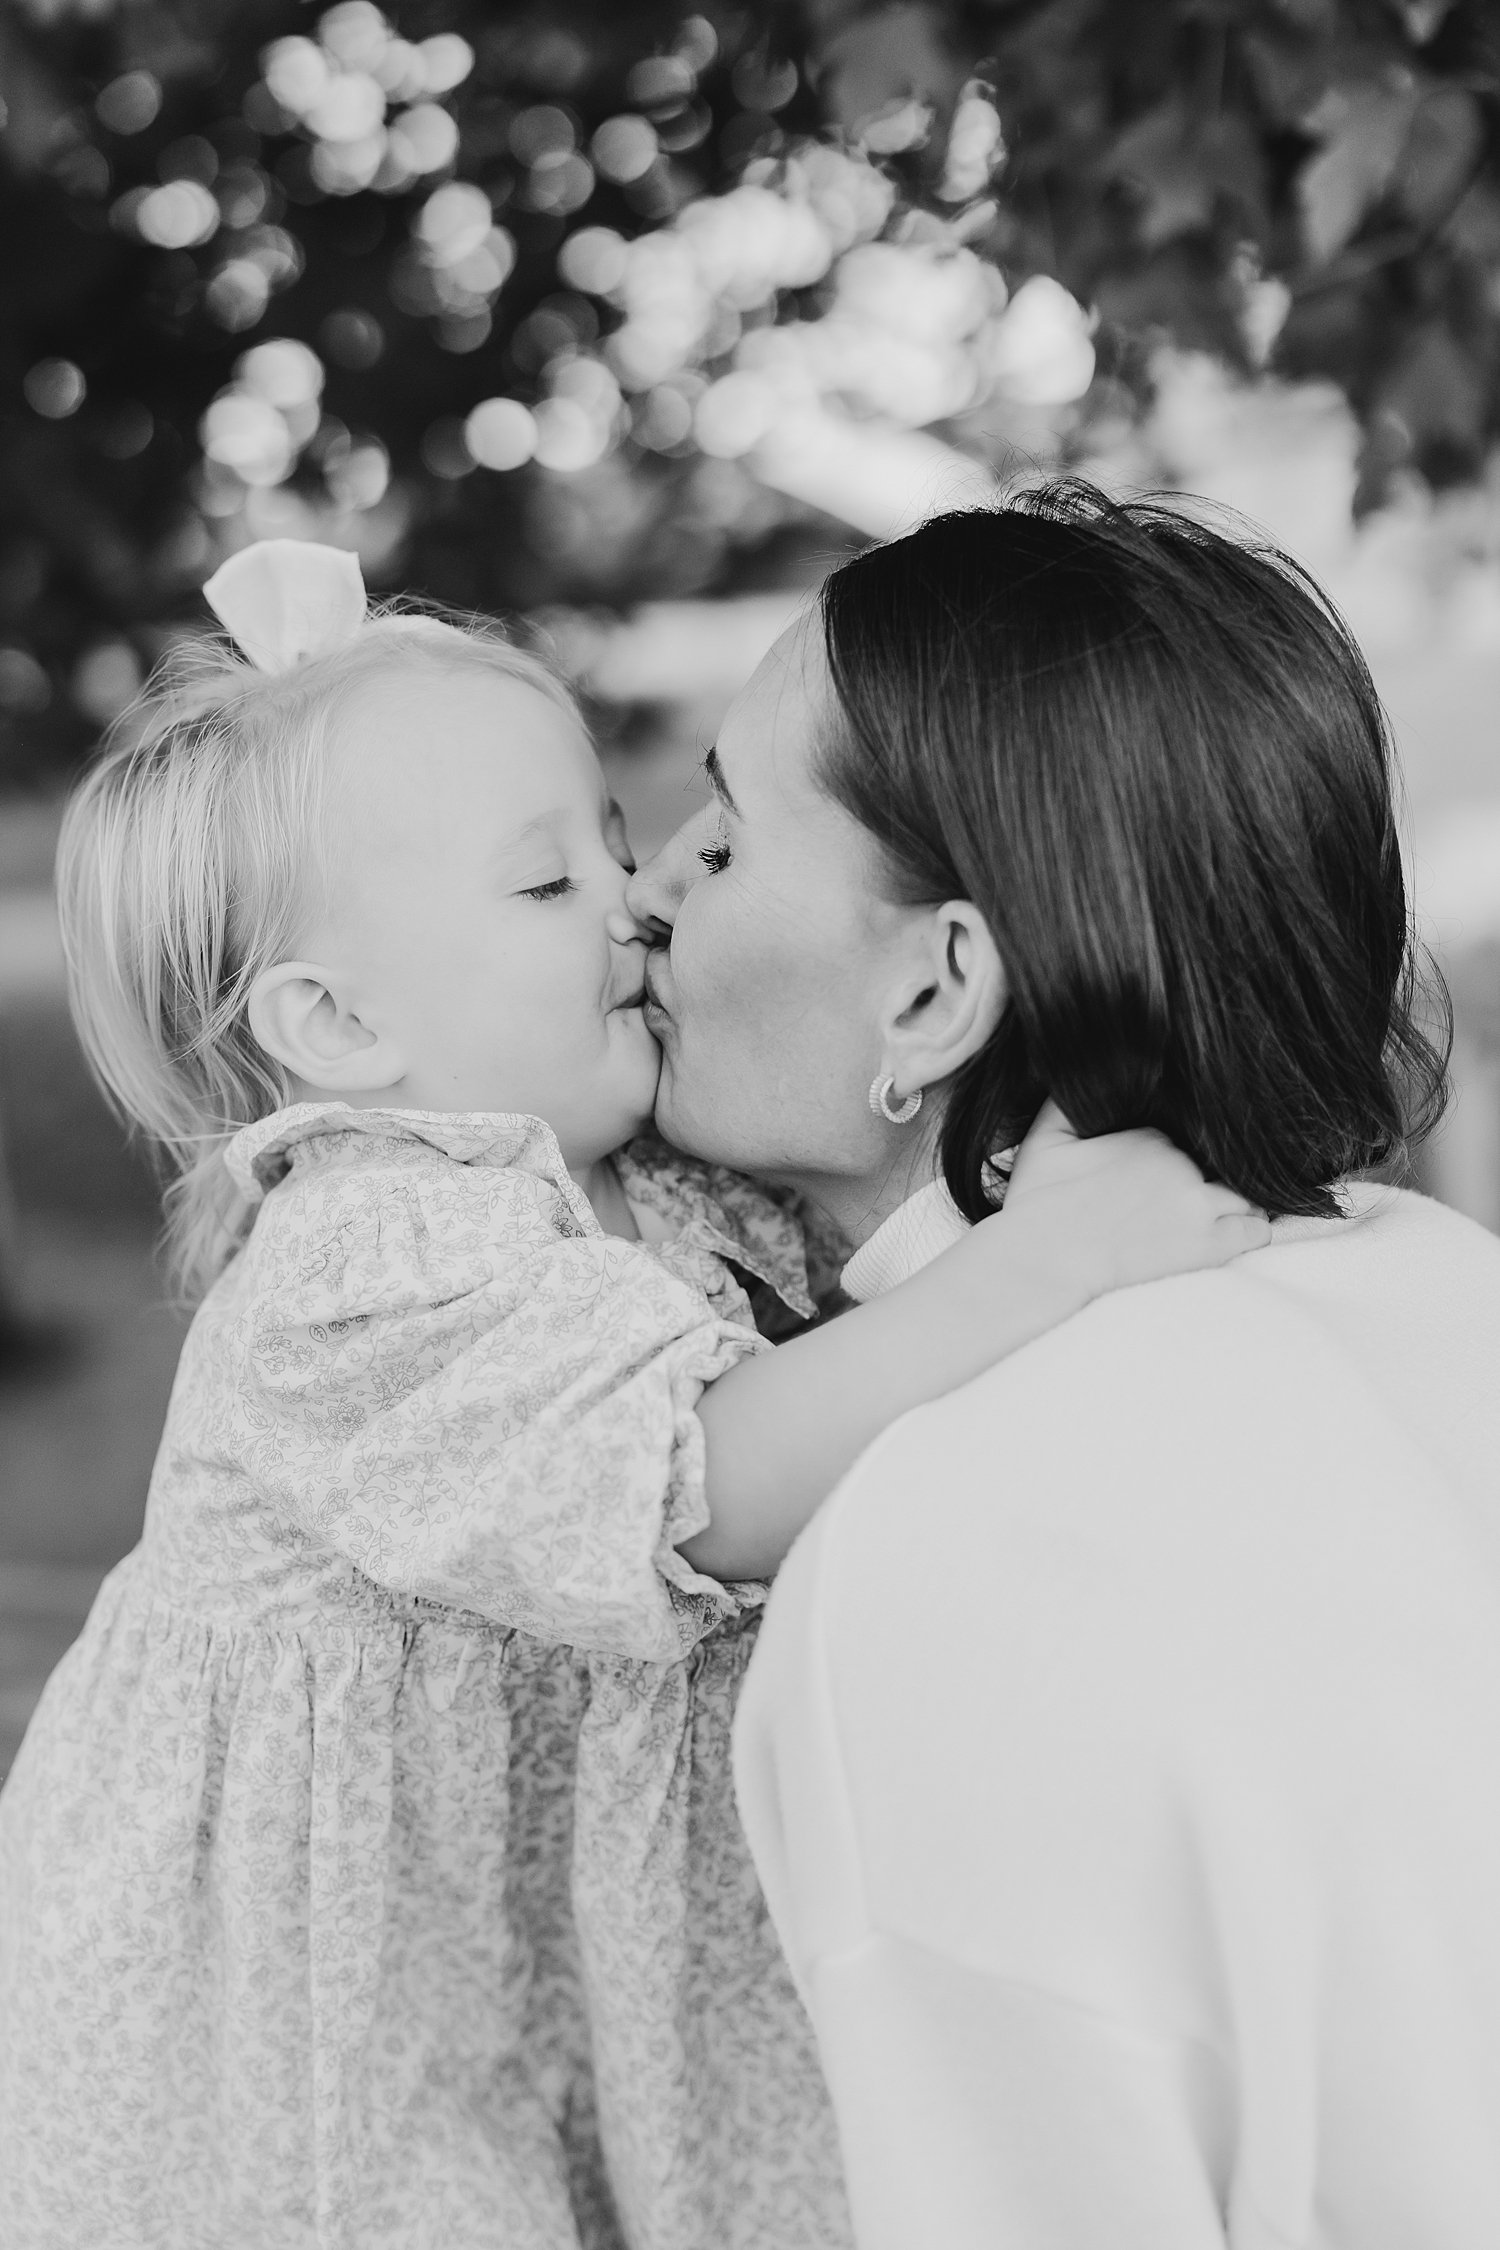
x: 783, y: 1427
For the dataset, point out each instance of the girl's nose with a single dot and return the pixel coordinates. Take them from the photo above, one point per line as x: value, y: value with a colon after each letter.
x: 623, y: 927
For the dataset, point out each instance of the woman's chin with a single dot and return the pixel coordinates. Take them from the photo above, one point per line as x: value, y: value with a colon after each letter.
x: 675, y: 1120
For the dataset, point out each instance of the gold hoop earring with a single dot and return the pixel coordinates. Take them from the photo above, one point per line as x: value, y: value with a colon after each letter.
x: 880, y: 1102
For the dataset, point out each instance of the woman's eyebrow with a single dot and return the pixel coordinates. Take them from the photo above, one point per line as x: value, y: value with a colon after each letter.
x: 717, y: 783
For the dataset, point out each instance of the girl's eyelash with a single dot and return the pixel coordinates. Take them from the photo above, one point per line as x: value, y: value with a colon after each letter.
x: 715, y: 858
x: 557, y: 889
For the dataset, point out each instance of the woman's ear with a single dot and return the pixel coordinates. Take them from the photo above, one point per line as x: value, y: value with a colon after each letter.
x: 948, y: 1006
x: 297, y: 1016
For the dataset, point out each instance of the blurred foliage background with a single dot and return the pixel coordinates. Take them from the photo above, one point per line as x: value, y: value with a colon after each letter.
x: 629, y: 318
x: 582, y: 304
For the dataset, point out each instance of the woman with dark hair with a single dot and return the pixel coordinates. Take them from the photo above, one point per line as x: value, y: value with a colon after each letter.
x: 1120, y: 1754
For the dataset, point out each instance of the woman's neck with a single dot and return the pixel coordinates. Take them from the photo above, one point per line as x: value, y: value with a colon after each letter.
x: 858, y: 1203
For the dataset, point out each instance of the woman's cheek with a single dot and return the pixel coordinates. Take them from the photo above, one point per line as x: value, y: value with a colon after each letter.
x: 738, y: 977
x: 703, y: 947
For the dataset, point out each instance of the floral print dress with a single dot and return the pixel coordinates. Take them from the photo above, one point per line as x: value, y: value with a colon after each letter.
x: 370, y: 1874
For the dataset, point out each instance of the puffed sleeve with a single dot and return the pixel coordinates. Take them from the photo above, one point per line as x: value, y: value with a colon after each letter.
x: 479, y: 1411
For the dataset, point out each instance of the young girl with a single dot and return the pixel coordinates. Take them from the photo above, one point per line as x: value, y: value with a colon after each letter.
x: 369, y: 1874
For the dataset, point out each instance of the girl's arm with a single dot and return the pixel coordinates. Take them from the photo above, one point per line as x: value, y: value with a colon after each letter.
x: 1080, y: 1218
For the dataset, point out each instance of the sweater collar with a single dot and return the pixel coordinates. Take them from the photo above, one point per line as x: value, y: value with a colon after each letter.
x: 916, y: 1232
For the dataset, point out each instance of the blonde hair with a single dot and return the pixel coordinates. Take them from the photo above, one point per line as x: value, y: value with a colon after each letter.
x: 190, y: 857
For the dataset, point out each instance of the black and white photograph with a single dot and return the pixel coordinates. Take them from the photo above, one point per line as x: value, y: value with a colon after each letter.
x: 749, y: 1125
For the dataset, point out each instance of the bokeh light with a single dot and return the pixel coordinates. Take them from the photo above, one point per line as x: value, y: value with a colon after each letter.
x: 445, y: 450
x: 734, y: 414
x: 24, y: 686
x: 106, y: 678
x: 501, y: 433
x: 351, y: 107
x: 976, y: 146
x: 177, y: 215
x: 452, y: 222
x: 560, y: 183
x: 298, y: 73
x: 352, y: 338
x: 446, y: 61
x: 366, y: 98
x: 247, y: 435
x: 129, y: 103
x: 237, y: 294
x: 594, y: 259
x: 54, y: 388
x: 1041, y: 353
x: 541, y: 132
x: 286, y: 373
x: 356, y: 32
x: 568, y: 437
x: 358, y: 476
x: 624, y: 148
x: 421, y: 139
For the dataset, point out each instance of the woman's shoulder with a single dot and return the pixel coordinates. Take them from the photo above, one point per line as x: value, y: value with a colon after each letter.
x: 1388, y: 1252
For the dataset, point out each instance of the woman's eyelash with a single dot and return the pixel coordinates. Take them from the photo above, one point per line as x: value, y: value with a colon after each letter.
x: 715, y: 858
x: 557, y: 889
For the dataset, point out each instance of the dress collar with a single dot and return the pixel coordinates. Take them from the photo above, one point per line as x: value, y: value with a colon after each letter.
x: 705, y: 1207
x: 261, y: 1154
x: 918, y: 1231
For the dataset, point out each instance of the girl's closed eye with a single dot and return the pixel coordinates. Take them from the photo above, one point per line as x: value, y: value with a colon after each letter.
x: 558, y: 888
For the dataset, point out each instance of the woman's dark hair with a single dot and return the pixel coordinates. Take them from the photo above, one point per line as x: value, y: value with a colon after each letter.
x: 1154, y: 759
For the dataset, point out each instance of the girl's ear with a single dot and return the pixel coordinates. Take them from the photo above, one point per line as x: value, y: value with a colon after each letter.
x: 297, y: 1016
x: 945, y: 1011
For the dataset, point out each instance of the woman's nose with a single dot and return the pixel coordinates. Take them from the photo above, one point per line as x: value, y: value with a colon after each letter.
x: 654, y: 893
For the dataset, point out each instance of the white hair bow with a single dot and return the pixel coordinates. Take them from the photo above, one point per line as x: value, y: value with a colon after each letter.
x: 284, y: 600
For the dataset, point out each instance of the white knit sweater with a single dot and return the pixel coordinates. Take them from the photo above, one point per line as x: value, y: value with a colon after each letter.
x: 1122, y: 1764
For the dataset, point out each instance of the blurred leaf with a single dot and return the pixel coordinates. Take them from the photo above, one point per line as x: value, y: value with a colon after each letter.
x: 1447, y: 134
x: 1438, y: 390
x: 1363, y: 130
x: 1474, y: 231
x: 1422, y: 18
x: 886, y: 57
x: 1183, y: 166
x: 35, y: 100
x: 1310, y: 15
x: 1290, y: 74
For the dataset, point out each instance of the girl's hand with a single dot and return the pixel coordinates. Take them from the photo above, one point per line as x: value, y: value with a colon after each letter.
x: 1121, y: 1208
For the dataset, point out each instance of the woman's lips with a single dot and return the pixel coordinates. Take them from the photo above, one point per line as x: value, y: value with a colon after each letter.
x: 653, y: 997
